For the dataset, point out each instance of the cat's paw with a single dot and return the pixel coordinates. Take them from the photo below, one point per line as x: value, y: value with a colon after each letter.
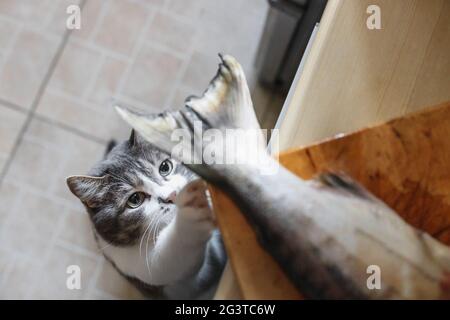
x: 193, y: 205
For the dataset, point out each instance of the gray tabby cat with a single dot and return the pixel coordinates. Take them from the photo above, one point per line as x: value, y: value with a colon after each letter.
x: 152, y: 221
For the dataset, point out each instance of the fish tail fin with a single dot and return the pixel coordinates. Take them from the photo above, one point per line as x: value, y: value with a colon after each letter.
x: 226, y: 104
x: 155, y: 128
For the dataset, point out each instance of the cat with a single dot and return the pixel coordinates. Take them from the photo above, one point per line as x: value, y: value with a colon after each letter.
x: 152, y: 221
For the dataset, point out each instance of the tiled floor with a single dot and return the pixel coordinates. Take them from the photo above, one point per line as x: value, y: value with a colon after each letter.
x: 55, y: 115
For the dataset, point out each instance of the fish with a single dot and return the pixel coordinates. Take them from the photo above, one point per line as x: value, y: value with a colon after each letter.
x: 329, y: 235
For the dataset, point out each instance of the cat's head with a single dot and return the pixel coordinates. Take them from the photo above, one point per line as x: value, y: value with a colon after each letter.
x: 131, y: 191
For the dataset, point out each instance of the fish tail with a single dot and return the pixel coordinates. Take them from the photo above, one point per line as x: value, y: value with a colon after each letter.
x: 225, y: 104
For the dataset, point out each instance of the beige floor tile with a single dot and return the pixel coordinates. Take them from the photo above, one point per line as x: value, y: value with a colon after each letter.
x: 222, y: 13
x: 90, y: 15
x: 76, y: 155
x: 187, y: 9
x: 52, y: 282
x: 10, y: 195
x: 6, y: 264
x: 45, y: 156
x: 33, y: 165
x: 172, y: 32
x: 231, y: 27
x: 58, y: 18
x: 180, y: 96
x: 107, y: 81
x: 123, y: 23
x: 77, y: 231
x: 75, y: 69
x: 152, y: 77
x: 154, y: 3
x: 38, y: 214
x: 11, y: 122
x: 18, y: 238
x: 29, y: 12
x: 211, y: 40
x: 112, y: 283
x: 8, y: 31
x: 201, y: 69
x: 31, y: 227
x: 23, y: 276
x: 25, y: 67
x: 96, y: 120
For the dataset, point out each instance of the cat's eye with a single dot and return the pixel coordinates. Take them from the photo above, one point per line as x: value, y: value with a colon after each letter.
x: 135, y: 200
x: 165, y: 168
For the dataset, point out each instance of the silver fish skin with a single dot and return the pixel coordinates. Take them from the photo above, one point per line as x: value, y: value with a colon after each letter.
x: 327, y: 233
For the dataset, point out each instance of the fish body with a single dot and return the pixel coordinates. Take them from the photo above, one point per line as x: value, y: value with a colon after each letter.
x: 329, y: 235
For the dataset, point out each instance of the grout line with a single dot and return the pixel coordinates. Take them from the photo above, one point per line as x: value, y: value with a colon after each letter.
x: 13, y: 106
x: 169, y: 102
x: 92, y: 286
x: 11, y: 43
x: 56, y: 123
x: 98, y: 48
x: 90, y: 86
x: 135, y: 52
x: 57, y: 199
x: 104, y: 10
x: 36, y: 100
x: 70, y: 129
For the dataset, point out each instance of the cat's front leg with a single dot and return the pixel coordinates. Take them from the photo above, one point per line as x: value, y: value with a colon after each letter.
x: 180, y: 248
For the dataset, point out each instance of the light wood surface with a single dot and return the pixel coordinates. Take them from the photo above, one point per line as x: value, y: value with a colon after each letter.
x: 354, y: 76
x: 405, y: 162
x: 228, y: 286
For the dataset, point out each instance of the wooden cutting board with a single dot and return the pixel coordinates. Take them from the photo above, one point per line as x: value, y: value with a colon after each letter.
x: 405, y: 162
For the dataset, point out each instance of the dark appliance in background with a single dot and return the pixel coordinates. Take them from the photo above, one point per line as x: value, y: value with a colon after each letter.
x: 288, y: 27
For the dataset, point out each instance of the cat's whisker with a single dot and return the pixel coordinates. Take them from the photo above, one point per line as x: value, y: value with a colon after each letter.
x: 152, y: 233
x: 146, y: 254
x: 160, y: 225
x: 149, y: 234
x: 157, y: 228
x: 154, y: 228
x: 142, y: 239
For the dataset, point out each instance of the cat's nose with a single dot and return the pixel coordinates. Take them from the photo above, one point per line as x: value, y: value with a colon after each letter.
x: 169, y: 199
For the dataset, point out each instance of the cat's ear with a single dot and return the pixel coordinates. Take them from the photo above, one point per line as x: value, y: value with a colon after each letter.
x: 88, y: 189
x: 132, y: 139
x: 135, y: 139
